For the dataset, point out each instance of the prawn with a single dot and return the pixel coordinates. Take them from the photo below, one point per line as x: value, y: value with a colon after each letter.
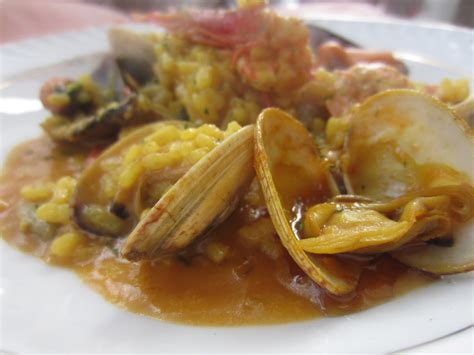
x: 358, y: 82
x: 270, y: 53
x: 216, y: 28
x: 332, y: 55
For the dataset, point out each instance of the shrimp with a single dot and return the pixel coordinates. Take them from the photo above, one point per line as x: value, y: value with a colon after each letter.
x: 332, y: 55
x: 216, y: 28
x: 50, y: 87
x: 270, y: 53
x: 360, y: 81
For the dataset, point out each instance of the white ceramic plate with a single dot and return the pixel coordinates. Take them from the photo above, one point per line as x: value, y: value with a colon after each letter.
x: 48, y: 309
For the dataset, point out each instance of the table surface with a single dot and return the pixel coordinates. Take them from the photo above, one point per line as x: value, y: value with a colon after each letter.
x: 22, y: 19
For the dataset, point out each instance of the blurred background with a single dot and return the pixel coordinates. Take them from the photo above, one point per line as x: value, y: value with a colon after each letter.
x: 21, y: 19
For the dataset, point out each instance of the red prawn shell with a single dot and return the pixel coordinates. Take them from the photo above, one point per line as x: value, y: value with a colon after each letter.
x: 218, y: 28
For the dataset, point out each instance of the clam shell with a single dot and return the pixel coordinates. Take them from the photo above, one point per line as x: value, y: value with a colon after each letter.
x: 201, y: 199
x: 87, y: 189
x: 465, y: 110
x: 289, y: 168
x: 134, y: 54
x: 427, y: 132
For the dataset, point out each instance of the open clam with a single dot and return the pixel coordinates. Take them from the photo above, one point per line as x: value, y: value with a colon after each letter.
x: 100, y: 126
x: 116, y: 94
x: 377, y: 227
x: 291, y: 174
x: 163, y: 185
x: 134, y: 55
x: 465, y: 110
x: 401, y: 143
x: 100, y: 212
x: 201, y: 199
x: 95, y: 107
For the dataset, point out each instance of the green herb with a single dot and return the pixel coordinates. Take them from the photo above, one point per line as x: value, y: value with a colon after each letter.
x: 73, y: 88
x: 299, y: 226
x: 339, y: 208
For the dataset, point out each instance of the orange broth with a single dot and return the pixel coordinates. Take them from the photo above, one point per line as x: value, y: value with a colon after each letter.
x: 248, y: 287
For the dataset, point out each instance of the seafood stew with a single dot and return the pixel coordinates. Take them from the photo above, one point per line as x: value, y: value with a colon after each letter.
x: 209, y: 177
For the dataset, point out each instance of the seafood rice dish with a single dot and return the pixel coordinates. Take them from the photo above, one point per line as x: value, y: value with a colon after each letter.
x: 226, y: 170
